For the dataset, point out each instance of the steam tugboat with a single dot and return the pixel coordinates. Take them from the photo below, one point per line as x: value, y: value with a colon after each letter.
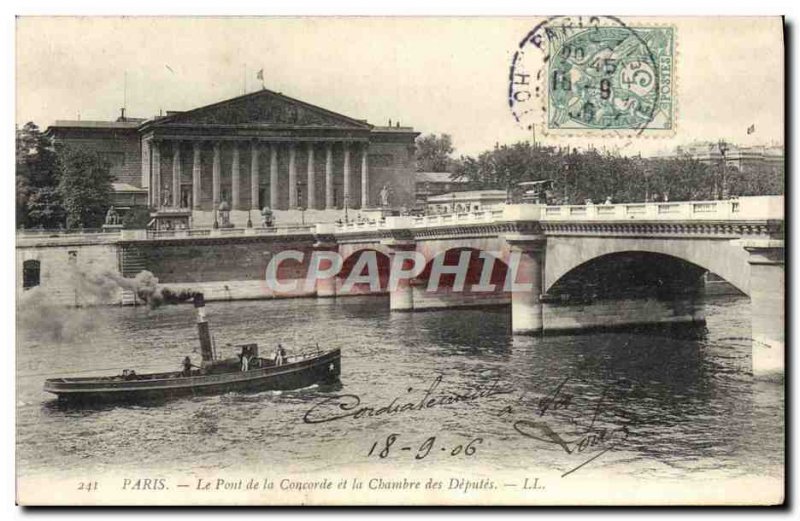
x: 248, y: 372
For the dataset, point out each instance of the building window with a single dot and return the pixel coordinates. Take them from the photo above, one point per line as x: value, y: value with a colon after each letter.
x: 30, y: 274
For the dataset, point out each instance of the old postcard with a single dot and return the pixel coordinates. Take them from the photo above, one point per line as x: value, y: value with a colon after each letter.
x: 533, y: 260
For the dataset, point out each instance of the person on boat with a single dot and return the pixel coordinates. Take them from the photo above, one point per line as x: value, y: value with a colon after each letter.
x: 280, y: 355
x: 187, y: 366
x: 245, y: 357
x: 128, y: 374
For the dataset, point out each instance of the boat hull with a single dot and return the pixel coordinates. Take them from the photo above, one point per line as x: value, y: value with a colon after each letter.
x: 323, y: 369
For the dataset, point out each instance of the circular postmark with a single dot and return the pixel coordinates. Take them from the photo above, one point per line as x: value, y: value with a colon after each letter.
x: 583, y: 74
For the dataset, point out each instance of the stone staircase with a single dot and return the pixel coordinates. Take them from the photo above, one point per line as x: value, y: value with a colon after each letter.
x: 132, y: 261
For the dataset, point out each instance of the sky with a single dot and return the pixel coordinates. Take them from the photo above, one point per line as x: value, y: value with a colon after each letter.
x: 439, y: 75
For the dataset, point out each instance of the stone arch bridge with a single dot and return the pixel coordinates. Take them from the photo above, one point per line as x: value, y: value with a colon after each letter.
x: 564, y: 255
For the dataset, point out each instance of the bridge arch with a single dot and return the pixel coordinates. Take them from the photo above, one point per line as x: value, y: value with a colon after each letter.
x: 451, y: 257
x: 481, y: 286
x: 724, y: 258
x: 628, y: 274
x: 358, y: 260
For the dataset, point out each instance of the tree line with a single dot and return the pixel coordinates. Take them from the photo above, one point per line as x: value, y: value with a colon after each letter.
x: 59, y: 186
x: 581, y: 175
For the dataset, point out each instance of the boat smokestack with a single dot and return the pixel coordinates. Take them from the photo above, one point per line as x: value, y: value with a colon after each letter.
x: 202, y: 328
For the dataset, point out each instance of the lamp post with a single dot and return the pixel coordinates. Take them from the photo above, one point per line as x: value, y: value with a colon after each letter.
x: 723, y: 149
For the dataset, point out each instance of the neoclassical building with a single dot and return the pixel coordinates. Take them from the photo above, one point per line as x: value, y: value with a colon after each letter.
x: 256, y: 150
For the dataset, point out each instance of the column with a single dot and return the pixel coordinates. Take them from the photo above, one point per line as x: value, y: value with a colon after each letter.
x: 328, y: 176
x: 215, y: 182
x: 273, y: 176
x: 346, y: 182
x: 196, y: 175
x: 146, y: 164
x: 254, y: 181
x: 235, y: 181
x: 310, y: 184
x: 364, y: 177
x: 526, y: 285
x: 767, y: 287
x: 293, y: 203
x: 176, y: 174
x: 155, y: 189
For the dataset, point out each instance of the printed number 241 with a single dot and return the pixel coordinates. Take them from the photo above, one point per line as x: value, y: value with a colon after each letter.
x: 88, y: 486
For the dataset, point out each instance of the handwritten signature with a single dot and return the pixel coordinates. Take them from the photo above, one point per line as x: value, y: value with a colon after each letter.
x: 581, y: 441
x: 342, y: 406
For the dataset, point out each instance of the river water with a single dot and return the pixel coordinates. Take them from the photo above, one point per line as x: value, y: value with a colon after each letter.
x: 685, y: 401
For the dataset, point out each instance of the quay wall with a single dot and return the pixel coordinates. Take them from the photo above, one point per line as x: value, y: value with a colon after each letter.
x: 58, y: 266
x: 224, y: 268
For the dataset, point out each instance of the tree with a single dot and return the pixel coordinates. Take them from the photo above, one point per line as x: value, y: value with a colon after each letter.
x: 579, y: 176
x: 504, y: 167
x: 681, y: 178
x: 757, y: 180
x: 44, y: 207
x: 36, y: 171
x: 84, y: 186
x: 433, y: 153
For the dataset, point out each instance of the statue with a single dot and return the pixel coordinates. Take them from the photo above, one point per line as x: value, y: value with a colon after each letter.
x: 266, y: 217
x: 166, y: 196
x: 112, y: 217
x: 384, y: 195
x: 225, y: 214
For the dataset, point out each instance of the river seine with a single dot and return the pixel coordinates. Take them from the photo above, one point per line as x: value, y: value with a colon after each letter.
x: 649, y: 404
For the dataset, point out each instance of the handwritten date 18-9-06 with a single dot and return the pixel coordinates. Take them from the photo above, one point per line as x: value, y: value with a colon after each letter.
x: 384, y: 448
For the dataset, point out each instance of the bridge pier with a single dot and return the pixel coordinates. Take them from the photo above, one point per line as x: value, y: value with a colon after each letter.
x: 401, y: 297
x: 767, y: 305
x: 326, y: 286
x: 526, y: 268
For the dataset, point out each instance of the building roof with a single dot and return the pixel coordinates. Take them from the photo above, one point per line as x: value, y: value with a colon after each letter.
x: 437, y: 177
x: 263, y: 107
x: 65, y: 123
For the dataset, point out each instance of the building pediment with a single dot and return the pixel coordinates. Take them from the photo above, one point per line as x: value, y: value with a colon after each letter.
x: 264, y: 108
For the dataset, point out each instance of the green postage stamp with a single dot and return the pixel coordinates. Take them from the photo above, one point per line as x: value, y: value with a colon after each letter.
x: 613, y: 78
x: 596, y: 75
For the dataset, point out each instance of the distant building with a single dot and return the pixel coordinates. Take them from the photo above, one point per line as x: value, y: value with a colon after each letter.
x: 428, y: 184
x: 762, y: 158
x: 467, y: 201
x: 258, y: 150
